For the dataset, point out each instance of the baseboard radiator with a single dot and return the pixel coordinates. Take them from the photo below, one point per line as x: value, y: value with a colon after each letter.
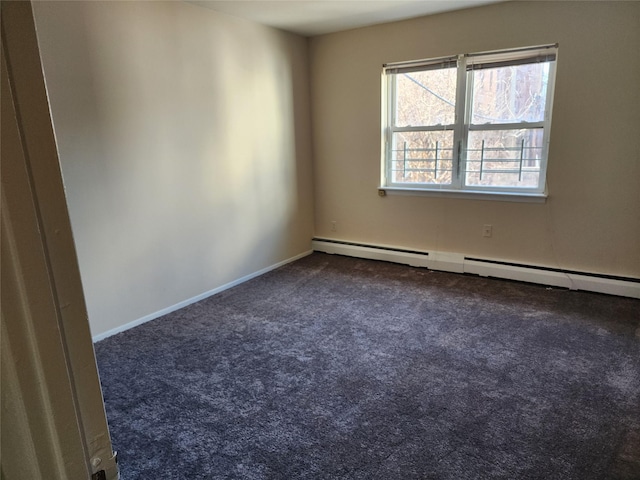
x: 460, y: 263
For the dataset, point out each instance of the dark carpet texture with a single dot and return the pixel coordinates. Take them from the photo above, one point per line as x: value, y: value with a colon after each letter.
x: 340, y: 368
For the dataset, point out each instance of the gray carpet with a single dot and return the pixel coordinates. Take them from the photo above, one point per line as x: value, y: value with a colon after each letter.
x: 340, y: 368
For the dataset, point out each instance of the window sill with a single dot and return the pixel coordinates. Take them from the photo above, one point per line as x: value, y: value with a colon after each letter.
x: 467, y: 194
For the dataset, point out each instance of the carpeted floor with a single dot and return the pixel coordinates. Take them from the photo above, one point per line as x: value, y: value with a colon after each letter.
x: 340, y: 368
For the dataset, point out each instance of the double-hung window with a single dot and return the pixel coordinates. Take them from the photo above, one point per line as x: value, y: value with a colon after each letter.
x: 474, y: 122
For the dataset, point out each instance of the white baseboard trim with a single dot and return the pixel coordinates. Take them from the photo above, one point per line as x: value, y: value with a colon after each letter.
x: 458, y: 263
x: 195, y: 299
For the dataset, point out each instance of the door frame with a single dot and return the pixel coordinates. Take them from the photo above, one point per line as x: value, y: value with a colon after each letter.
x: 53, y: 418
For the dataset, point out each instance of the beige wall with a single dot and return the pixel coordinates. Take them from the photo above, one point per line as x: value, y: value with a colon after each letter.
x: 184, y: 141
x: 591, y: 220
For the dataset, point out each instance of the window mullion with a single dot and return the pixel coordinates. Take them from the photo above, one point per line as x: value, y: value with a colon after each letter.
x: 425, y: 128
x: 505, y: 126
x: 459, y: 131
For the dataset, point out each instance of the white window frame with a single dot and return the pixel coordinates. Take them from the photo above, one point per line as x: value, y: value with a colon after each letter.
x: 462, y: 124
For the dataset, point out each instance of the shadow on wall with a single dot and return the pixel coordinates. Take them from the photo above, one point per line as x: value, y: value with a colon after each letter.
x: 176, y: 133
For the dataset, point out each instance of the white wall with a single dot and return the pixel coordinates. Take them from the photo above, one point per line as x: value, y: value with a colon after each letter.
x: 591, y: 220
x: 183, y: 136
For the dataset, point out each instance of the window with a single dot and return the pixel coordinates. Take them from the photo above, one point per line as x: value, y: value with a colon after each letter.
x: 474, y: 123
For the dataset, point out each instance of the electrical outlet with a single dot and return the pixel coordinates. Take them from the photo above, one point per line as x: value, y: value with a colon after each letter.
x: 334, y: 226
x: 487, y: 230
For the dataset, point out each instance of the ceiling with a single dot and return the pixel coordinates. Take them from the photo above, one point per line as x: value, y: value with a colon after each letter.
x: 316, y: 17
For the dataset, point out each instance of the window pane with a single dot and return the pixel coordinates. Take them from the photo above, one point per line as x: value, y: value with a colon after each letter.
x: 426, y: 98
x: 510, y: 94
x: 422, y: 157
x: 504, y: 158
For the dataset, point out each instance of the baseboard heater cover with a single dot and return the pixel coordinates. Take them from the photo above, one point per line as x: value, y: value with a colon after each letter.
x: 414, y: 258
x: 459, y: 263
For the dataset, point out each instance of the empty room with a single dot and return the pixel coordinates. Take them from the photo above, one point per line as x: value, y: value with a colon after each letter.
x: 321, y: 240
